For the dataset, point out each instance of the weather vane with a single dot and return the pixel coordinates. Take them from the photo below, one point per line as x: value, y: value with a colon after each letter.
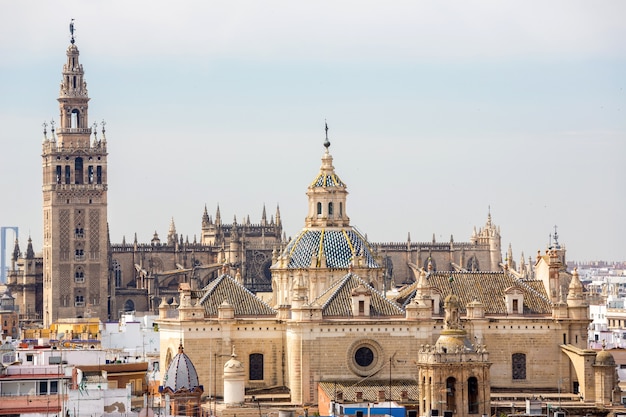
x: 72, y: 30
x: 326, y: 142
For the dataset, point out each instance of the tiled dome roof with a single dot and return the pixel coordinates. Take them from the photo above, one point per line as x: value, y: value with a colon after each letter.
x: 327, y: 180
x: 338, y: 246
x: 181, y: 374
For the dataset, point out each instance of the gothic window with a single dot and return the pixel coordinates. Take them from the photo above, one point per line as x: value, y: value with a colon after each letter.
x: 430, y: 261
x: 129, y: 305
x: 67, y: 174
x: 330, y: 209
x: 472, y: 264
x: 256, y: 367
x: 472, y: 395
x: 117, y: 273
x: 78, y: 170
x: 99, y: 174
x: 518, y: 363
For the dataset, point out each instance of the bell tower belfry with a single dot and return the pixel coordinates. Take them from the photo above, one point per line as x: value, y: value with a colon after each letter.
x: 75, y: 248
x: 327, y: 196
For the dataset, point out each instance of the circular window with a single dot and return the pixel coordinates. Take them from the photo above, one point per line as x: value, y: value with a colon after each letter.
x: 364, y: 356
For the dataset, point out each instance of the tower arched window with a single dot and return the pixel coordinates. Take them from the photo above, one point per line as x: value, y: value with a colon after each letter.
x: 472, y: 395
x: 78, y: 170
x: 79, y: 274
x: 75, y: 116
x: 79, y: 252
x: 340, y: 209
x: 256, y: 367
x: 99, y: 175
x: 59, y: 174
x: 90, y: 174
x: 330, y: 209
x: 68, y: 175
x: 518, y: 365
x: 319, y: 209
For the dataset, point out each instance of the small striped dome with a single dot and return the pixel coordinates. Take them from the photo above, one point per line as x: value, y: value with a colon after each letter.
x: 338, y: 246
x: 181, y: 374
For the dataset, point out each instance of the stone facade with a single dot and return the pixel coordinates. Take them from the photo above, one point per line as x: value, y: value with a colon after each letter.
x: 75, y: 252
x: 508, y: 332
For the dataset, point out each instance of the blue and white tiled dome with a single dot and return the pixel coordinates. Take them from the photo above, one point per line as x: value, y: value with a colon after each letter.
x: 338, y: 246
x: 181, y: 374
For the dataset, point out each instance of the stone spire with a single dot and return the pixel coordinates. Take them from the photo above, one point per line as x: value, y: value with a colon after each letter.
x: 278, y: 222
x: 16, y: 250
x: 263, y: 217
x: 30, y: 253
x: 171, y: 234
x: 218, y: 217
x: 206, y: 221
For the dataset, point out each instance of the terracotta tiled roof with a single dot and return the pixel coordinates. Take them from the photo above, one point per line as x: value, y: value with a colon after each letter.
x: 337, y: 300
x: 370, y: 389
x: 225, y: 288
x: 486, y: 287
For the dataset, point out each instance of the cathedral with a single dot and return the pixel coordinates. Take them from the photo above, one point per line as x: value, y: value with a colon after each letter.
x: 434, y: 325
x: 82, y: 274
x: 449, y: 341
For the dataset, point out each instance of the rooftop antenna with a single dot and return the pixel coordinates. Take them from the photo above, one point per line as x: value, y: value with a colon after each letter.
x: 72, y: 31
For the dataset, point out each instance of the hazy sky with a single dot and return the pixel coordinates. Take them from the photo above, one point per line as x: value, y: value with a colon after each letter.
x: 438, y: 111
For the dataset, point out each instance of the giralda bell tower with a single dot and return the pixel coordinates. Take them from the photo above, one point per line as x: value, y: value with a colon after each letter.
x: 75, y: 205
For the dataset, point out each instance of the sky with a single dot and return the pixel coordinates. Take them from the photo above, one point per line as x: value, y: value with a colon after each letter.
x: 439, y: 112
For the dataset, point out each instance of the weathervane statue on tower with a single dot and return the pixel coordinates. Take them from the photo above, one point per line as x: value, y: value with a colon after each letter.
x: 326, y: 142
x: 72, y: 30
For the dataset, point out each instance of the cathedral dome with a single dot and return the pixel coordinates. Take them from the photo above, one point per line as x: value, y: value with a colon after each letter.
x: 181, y: 374
x: 336, y: 247
x: 453, y: 341
x: 604, y: 357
